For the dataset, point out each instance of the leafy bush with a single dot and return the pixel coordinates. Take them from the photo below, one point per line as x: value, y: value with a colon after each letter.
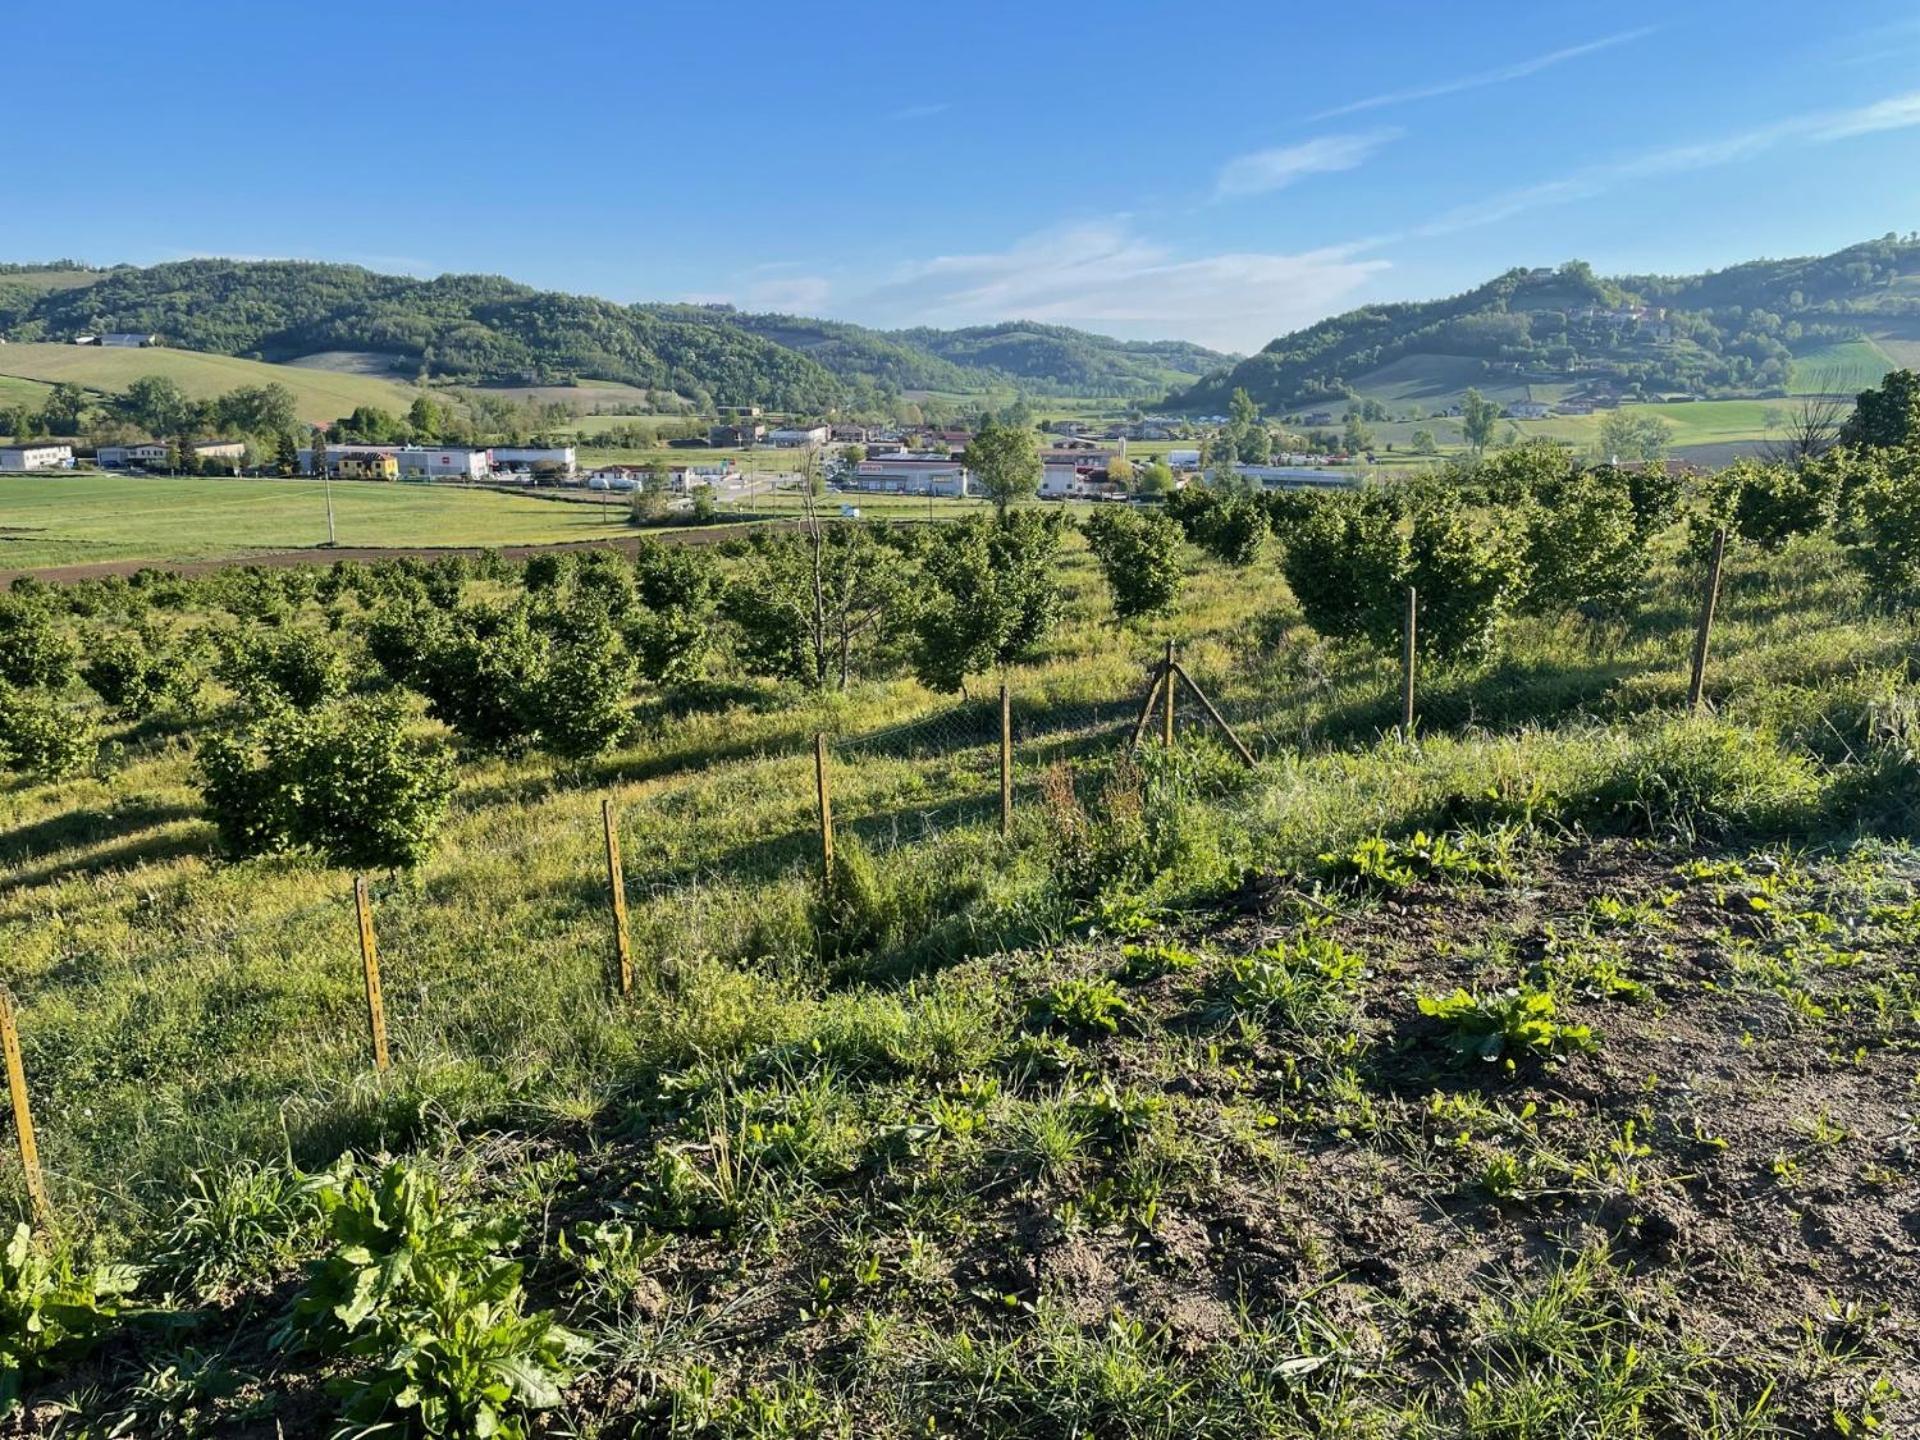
x: 1345, y: 563
x: 424, y: 1296
x: 578, y: 703
x: 1583, y: 547
x: 1768, y: 505
x: 1879, y: 499
x: 144, y: 672
x: 989, y: 595
x: 298, y: 666
x: 350, y: 783
x: 50, y: 1312
x: 39, y: 736
x: 1229, y: 524
x: 1139, y: 553
x: 34, y: 650
x: 1515, y: 1023
x: 1467, y: 576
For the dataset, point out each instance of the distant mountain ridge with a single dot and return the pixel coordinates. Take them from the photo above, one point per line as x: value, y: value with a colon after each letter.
x: 1739, y: 331
x: 485, y: 328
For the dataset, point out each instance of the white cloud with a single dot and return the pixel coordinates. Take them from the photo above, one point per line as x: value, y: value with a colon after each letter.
x: 1104, y: 276
x: 921, y: 112
x: 790, y: 294
x: 1519, y: 70
x: 772, y: 286
x: 1265, y: 170
x: 1824, y: 127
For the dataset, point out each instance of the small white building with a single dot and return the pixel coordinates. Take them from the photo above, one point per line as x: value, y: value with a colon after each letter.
x: 1183, y: 459
x: 1528, y: 410
x: 1298, y: 477
x: 792, y: 437
x: 526, y: 457
x: 121, y: 340
x: 912, y: 475
x: 18, y: 459
x: 1077, y: 482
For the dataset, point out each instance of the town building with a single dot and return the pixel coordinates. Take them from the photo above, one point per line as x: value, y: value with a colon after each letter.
x: 1078, y: 482
x: 912, y: 475
x: 851, y: 434
x: 528, y: 457
x: 792, y: 437
x: 739, y: 436
x: 18, y: 459
x: 158, y: 454
x: 367, y: 465
x: 1298, y: 477
x: 1528, y: 410
x: 414, y: 462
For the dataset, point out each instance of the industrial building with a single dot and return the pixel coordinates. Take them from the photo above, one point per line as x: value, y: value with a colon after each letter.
x: 912, y: 475
x: 17, y: 459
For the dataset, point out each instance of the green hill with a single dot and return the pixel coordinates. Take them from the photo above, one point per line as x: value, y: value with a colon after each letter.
x: 462, y: 327
x: 1765, y: 328
x: 319, y: 395
x: 486, y: 330
x: 1016, y: 355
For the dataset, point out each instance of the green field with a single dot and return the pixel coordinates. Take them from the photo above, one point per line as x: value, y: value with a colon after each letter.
x: 71, y: 520
x: 16, y: 391
x: 1846, y: 367
x: 320, y: 396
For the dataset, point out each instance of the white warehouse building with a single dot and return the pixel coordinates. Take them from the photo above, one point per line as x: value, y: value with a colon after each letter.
x: 912, y: 475
x: 416, y: 462
x: 18, y: 459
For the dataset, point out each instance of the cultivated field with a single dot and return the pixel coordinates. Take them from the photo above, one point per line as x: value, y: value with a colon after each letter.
x: 78, y: 519
x: 1548, y: 1074
x: 320, y: 396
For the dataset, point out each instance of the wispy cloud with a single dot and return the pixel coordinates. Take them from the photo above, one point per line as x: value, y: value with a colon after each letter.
x: 1519, y: 70
x: 1824, y: 127
x: 1105, y: 276
x: 921, y: 112
x: 774, y: 285
x: 1263, y: 170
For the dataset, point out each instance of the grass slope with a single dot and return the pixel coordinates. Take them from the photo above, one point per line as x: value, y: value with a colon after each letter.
x: 1129, y: 1125
x: 319, y: 395
x: 65, y: 520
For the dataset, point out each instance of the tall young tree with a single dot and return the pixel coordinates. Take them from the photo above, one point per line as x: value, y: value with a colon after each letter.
x: 1007, y: 464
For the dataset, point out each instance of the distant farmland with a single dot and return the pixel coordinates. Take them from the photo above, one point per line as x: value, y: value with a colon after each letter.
x: 319, y: 395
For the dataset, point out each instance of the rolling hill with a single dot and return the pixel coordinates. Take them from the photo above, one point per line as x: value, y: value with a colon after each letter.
x: 483, y: 329
x: 1764, y: 328
x: 320, y: 396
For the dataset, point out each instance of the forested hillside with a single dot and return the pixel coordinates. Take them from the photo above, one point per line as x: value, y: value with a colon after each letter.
x: 483, y: 328
x: 460, y: 326
x: 1738, y: 331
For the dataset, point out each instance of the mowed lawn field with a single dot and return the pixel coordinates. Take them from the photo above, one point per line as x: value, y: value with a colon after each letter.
x: 320, y: 396
x: 77, y: 519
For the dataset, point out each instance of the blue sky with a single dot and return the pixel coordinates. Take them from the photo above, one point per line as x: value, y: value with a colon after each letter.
x: 1215, y: 171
